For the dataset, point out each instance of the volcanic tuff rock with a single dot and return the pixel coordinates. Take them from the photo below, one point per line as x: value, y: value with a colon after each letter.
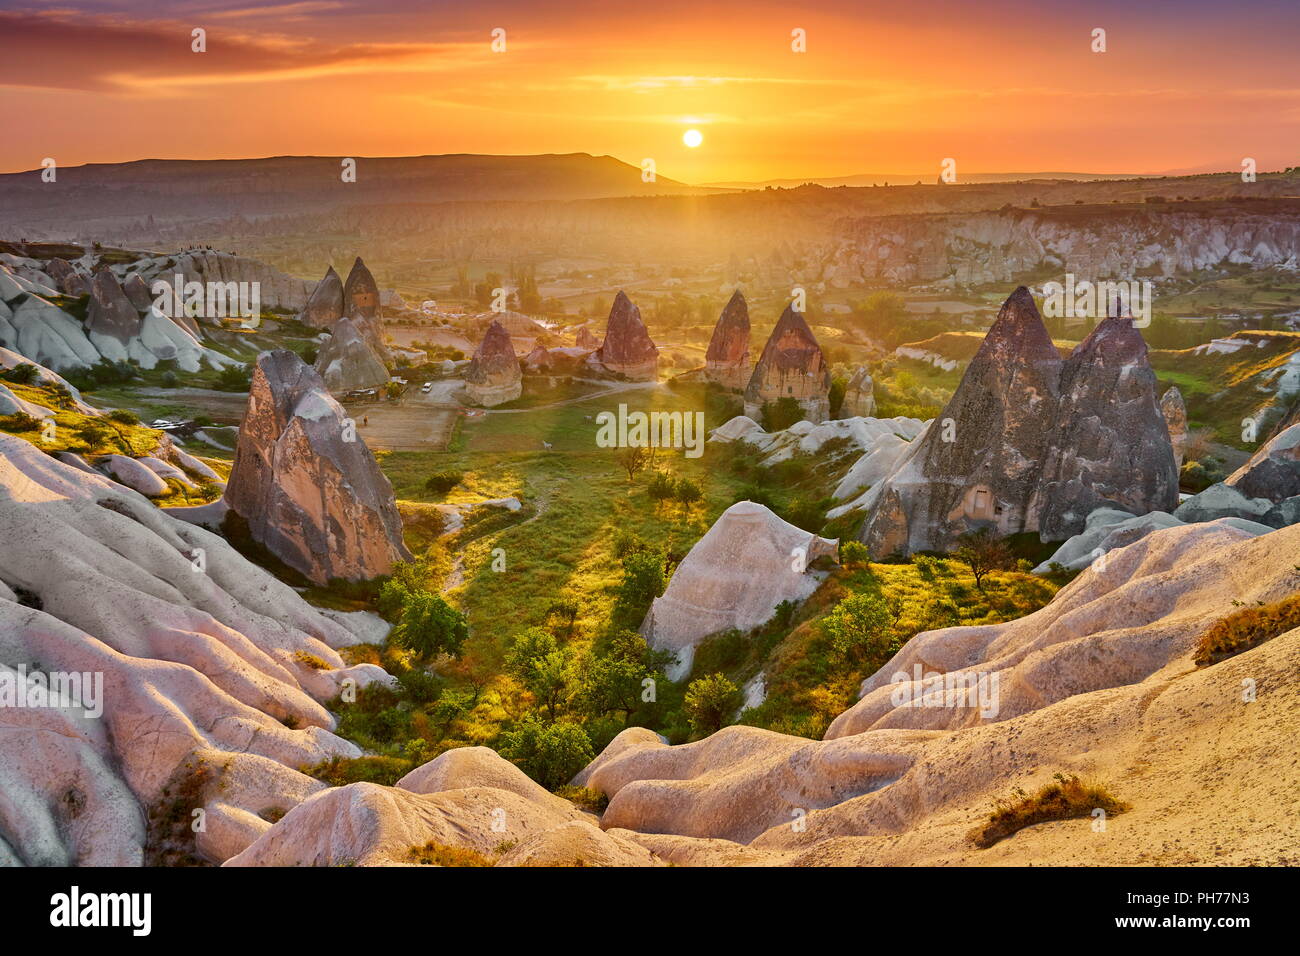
x: 791, y: 366
x: 734, y: 577
x: 139, y: 294
x: 361, y: 293
x: 325, y: 307
x: 307, y: 487
x: 726, y: 362
x: 1095, y: 683
x: 1110, y: 443
x: 628, y: 349
x: 493, y: 376
x: 1030, y: 442
x: 1175, y: 413
x: 1273, y: 472
x: 346, y: 361
x: 586, y: 340
x: 206, y: 668
x: 110, y: 314
x: 859, y: 396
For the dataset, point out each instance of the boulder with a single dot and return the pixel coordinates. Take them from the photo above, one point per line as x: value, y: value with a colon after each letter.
x: 135, y: 475
x: 628, y: 349
x: 493, y: 376
x: 1222, y: 501
x: 307, y: 487
x: 138, y: 293
x: 1273, y: 472
x: 1175, y: 413
x: 746, y: 564
x: 726, y: 362
x: 791, y: 366
x: 1109, y: 528
x: 346, y: 362
x: 325, y: 307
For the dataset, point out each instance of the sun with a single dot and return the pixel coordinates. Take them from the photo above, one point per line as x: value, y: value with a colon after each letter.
x: 692, y: 138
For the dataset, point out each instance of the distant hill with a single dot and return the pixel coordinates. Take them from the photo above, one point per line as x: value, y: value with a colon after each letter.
x: 186, y: 190
x: 907, y: 179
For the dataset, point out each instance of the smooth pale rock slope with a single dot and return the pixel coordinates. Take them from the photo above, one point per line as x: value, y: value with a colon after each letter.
x: 469, y: 799
x: 347, y: 362
x: 1099, y: 683
x: 306, y: 485
x: 196, y: 664
x: 746, y: 564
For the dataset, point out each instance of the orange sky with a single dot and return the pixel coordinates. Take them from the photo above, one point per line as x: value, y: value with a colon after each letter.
x: 885, y: 87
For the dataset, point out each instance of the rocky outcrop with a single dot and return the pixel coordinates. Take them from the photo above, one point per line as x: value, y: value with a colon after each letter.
x: 1175, y: 414
x: 859, y: 396
x: 586, y: 340
x: 791, y: 366
x: 346, y: 362
x: 726, y: 362
x: 201, y: 656
x: 734, y: 577
x: 138, y: 292
x: 307, y: 488
x: 1030, y: 442
x: 1100, y: 677
x: 1273, y: 472
x: 1110, y: 444
x: 628, y: 349
x: 361, y: 293
x: 493, y: 376
x: 325, y: 307
x: 110, y: 314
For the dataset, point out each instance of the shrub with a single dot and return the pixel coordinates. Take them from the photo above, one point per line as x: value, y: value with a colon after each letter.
x: 859, y: 629
x: 443, y: 482
x: 983, y: 552
x: 643, y: 581
x: 430, y: 626
x: 169, y: 379
x: 234, y: 378
x: 687, y: 492
x: 19, y: 422
x: 781, y: 414
x: 439, y: 854
x: 1066, y: 798
x: 661, y: 486
x: 709, y: 703
x: 24, y: 373
x: 124, y: 416
x: 1246, y: 628
x: 549, y: 753
x: 585, y: 798
x: 854, y: 554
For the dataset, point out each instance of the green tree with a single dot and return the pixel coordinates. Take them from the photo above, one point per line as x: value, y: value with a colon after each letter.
x: 643, y: 581
x: 687, y: 492
x: 549, y: 753
x: 859, y: 629
x: 430, y: 626
x: 983, y: 552
x: 710, y: 702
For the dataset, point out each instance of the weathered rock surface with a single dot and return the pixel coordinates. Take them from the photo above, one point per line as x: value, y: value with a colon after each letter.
x: 110, y: 315
x: 1030, y: 442
x: 325, y: 307
x: 196, y: 666
x: 734, y: 577
x: 726, y: 362
x: 1108, y: 529
x: 628, y: 349
x: 1175, y: 413
x: 1096, y: 683
x: 361, y: 293
x: 493, y: 376
x: 586, y: 340
x: 346, y: 361
x: 1273, y: 472
x: 859, y: 396
x: 307, y: 487
x: 791, y: 366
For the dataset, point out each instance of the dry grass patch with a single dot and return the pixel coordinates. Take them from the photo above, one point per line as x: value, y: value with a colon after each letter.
x: 439, y: 854
x: 1065, y: 798
x: 1246, y: 628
